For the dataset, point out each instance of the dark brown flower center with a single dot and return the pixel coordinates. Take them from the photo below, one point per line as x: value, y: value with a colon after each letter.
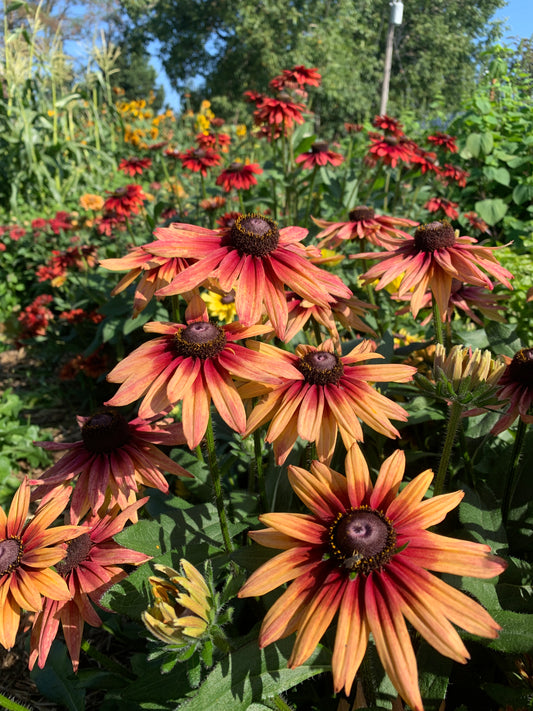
x: 362, y: 539
x: 321, y: 368
x: 319, y: 147
x: 121, y: 192
x: 434, y: 235
x: 199, y: 153
x: 235, y: 167
x: 201, y: 339
x: 10, y: 554
x: 360, y: 213
x: 78, y: 550
x: 521, y: 367
x: 391, y: 140
x: 105, y: 432
x: 228, y: 298
x: 254, y: 234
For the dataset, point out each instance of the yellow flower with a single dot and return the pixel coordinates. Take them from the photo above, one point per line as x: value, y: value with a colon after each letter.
x: 91, y: 202
x: 175, y: 615
x: 462, y: 363
x: 204, y: 106
x: 220, y: 306
x: 240, y: 130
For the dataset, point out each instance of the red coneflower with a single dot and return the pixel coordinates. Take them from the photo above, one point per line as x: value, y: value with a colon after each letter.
x: 110, y: 461
x: 391, y: 149
x: 363, y: 223
x: 456, y: 174
x: 476, y: 222
x: 91, y: 565
x: 210, y: 140
x: 132, y: 166
x: 193, y: 362
x: 253, y: 97
x: 125, y: 201
x: 256, y: 259
x: 199, y: 159
x: 27, y: 550
x: 278, y: 113
x: 430, y: 260
x: 365, y: 552
x: 156, y: 272
x: 299, y: 76
x: 319, y: 155
x: 240, y: 176
x: 212, y: 204
x: 516, y: 385
x: 444, y: 140
x: 447, y: 206
x: 388, y: 124
x: 321, y: 394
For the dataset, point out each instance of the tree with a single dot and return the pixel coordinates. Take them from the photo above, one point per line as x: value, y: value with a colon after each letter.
x: 226, y: 46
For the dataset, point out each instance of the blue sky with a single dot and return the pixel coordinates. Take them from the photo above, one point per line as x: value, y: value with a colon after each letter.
x: 518, y: 16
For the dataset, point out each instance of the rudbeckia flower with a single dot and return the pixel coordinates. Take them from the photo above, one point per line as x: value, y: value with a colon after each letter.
x: 240, y: 176
x: 363, y: 223
x: 253, y: 257
x: 516, y: 386
x: 92, y: 564
x: 431, y: 259
x: 322, y: 393
x: 192, y: 362
x: 278, y: 113
x: 198, y: 160
x: 447, y: 206
x: 111, y: 460
x: 319, y: 155
x: 364, y: 552
x: 27, y: 550
x: 125, y: 201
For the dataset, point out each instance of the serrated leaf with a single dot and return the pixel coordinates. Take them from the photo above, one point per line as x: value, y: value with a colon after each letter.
x: 250, y: 675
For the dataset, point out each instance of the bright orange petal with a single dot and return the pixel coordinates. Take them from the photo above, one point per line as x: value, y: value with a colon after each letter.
x: 18, y: 510
x: 351, y: 639
x: 357, y: 476
x: 278, y: 570
x: 388, y: 481
x: 301, y: 526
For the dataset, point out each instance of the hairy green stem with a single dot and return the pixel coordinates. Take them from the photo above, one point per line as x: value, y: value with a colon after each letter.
x: 217, y: 486
x: 259, y: 471
x: 453, y: 422
x: 11, y: 705
x: 510, y: 483
x: 437, y: 323
x: 310, y: 196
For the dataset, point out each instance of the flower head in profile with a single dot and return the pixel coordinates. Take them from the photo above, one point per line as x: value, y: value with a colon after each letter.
x: 193, y: 363
x: 391, y: 149
x: 476, y: 222
x: 388, y: 124
x: 253, y: 257
x: 321, y: 394
x: 125, y: 201
x: 431, y: 259
x: 113, y: 458
x: 91, y: 565
x: 278, y: 113
x: 299, y: 75
x: 240, y: 176
x: 448, y: 207
x: 155, y: 273
x: 134, y: 166
x: 364, y: 551
x: 516, y: 387
x: 199, y: 160
x: 318, y: 156
x: 28, y: 549
x: 363, y: 223
x: 444, y: 140
x: 179, y: 617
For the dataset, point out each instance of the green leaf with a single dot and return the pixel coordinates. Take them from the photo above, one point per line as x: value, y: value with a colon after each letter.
x: 478, y: 143
x: 304, y: 145
x: 522, y: 193
x: 57, y: 681
x: 480, y: 514
x: 499, y: 175
x: 516, y: 636
x: 503, y: 338
x: 433, y: 676
x: 252, y: 675
x: 491, y: 210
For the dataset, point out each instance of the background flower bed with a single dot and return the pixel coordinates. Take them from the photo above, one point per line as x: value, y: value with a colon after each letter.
x: 96, y: 175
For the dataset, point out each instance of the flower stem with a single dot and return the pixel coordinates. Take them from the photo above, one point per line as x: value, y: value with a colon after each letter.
x: 437, y: 323
x: 510, y: 483
x: 11, y: 705
x: 217, y: 487
x: 259, y: 471
x: 310, y: 196
x: 453, y: 422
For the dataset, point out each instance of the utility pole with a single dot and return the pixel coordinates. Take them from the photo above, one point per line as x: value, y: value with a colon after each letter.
x: 396, y: 14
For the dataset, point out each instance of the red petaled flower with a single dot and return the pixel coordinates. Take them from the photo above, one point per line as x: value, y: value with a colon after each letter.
x: 27, y: 552
x: 447, y: 206
x: 516, y: 386
x: 210, y: 140
x: 192, y: 362
x: 430, y: 260
x: 451, y: 172
x: 256, y: 259
x: 240, y: 176
x: 110, y: 461
x: 388, y: 124
x: 199, y: 159
x: 35, y: 318
x: 364, y: 551
x: 321, y: 394
x: 319, y: 155
x: 392, y: 149
x: 132, y: 166
x: 444, y: 140
x: 297, y: 76
x: 253, y: 97
x: 91, y: 565
x: 363, y: 223
x: 278, y: 113
x: 125, y: 201
x: 476, y: 222
x: 155, y: 272
x: 212, y: 204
